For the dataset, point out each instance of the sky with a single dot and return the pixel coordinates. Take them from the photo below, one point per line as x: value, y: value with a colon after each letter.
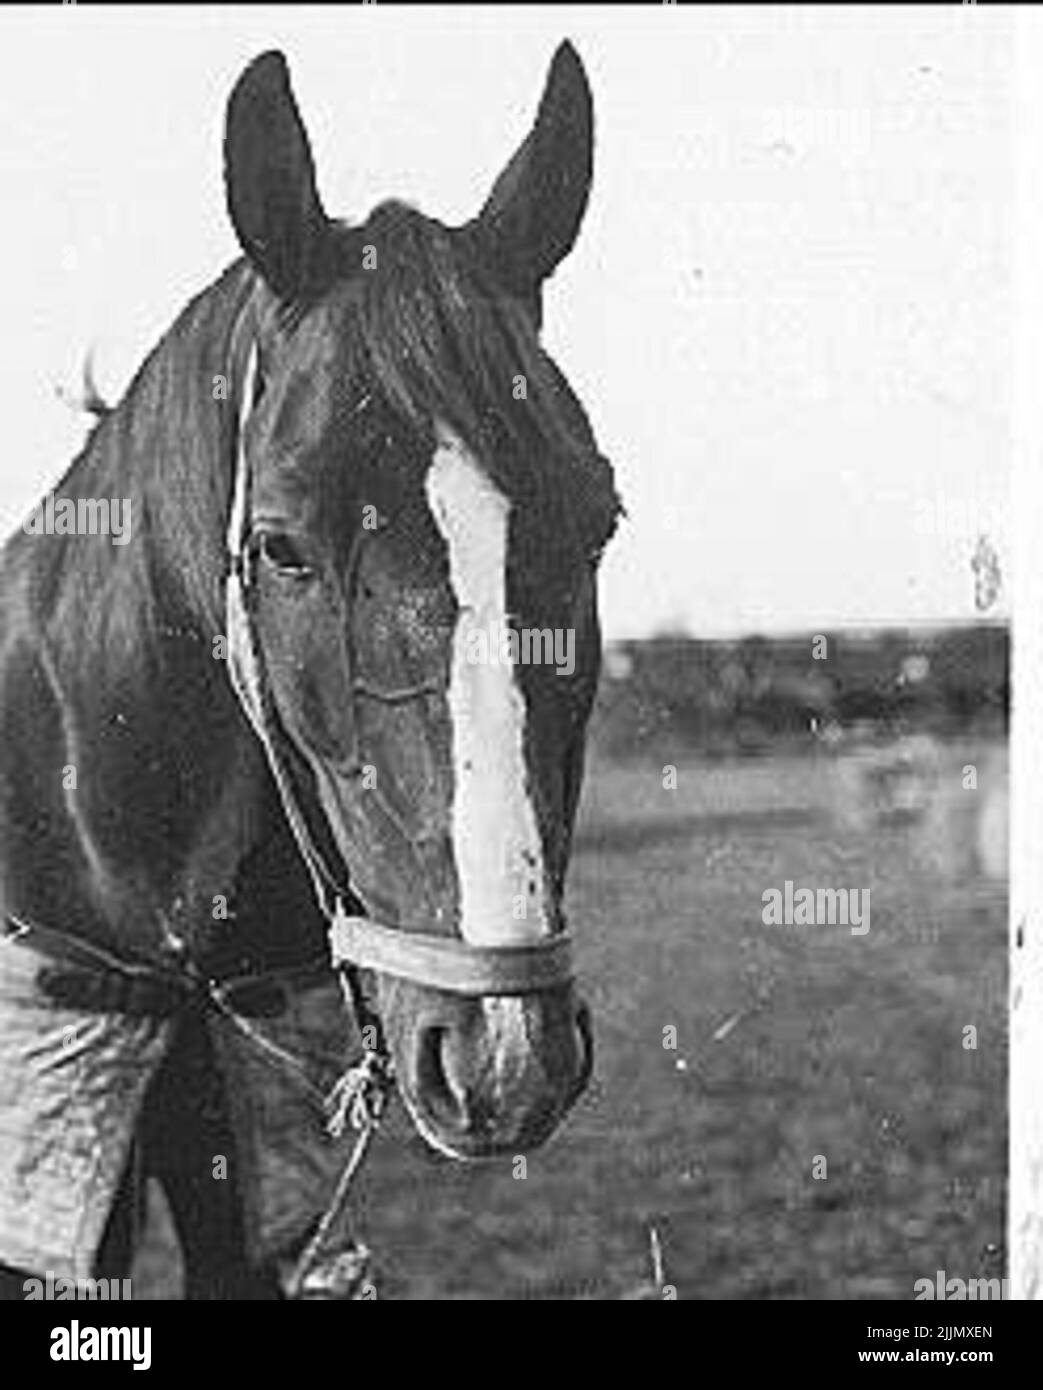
x: 788, y: 314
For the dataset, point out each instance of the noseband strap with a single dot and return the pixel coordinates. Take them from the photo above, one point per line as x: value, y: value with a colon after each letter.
x: 441, y: 962
x: 450, y: 964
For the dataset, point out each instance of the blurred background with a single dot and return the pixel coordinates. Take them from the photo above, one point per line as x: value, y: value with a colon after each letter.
x: 882, y: 768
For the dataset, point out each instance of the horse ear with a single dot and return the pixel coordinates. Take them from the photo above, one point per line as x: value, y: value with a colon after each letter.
x: 532, y: 216
x: 270, y: 177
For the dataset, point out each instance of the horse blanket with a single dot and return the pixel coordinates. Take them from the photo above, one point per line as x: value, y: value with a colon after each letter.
x: 72, y: 1087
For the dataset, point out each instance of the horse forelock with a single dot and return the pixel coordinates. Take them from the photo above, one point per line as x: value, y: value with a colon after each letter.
x: 425, y: 328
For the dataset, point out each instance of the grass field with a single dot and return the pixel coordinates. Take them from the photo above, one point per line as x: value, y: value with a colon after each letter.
x: 792, y: 1042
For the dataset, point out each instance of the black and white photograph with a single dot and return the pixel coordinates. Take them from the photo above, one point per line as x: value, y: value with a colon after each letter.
x: 513, y: 535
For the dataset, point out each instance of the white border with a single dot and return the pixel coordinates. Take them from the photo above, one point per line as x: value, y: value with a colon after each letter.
x: 1025, y: 1235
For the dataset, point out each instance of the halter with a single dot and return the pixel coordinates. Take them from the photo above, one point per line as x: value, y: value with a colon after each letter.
x: 442, y: 962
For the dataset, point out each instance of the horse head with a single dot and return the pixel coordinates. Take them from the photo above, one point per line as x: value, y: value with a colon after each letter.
x: 418, y: 489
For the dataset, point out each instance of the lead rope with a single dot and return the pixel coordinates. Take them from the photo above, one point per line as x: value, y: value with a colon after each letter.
x: 360, y: 1095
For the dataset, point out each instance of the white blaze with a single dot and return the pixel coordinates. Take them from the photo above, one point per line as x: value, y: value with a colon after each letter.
x: 496, y: 843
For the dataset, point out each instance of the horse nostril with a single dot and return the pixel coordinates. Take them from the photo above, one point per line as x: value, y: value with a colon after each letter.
x: 447, y: 1100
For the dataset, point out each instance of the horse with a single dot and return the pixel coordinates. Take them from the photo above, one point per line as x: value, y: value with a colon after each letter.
x: 254, y: 754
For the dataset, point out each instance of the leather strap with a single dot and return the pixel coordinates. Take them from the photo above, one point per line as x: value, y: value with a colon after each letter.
x: 80, y: 975
x: 449, y: 963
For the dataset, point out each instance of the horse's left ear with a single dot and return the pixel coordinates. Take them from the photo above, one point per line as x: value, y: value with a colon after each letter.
x: 533, y: 215
x: 270, y: 177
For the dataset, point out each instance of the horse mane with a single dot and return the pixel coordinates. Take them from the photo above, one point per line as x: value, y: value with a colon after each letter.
x: 166, y: 445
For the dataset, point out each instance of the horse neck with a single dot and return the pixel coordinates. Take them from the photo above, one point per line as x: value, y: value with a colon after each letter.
x: 114, y: 671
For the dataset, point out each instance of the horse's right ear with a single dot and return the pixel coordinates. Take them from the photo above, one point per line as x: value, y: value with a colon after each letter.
x: 533, y: 215
x: 270, y: 177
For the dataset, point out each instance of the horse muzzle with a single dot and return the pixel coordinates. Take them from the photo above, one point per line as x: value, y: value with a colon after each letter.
x: 490, y: 1045
x: 488, y: 1075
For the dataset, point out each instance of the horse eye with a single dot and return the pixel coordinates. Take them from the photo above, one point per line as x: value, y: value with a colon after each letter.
x: 281, y: 552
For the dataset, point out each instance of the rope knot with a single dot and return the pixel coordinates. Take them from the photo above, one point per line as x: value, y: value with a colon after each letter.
x: 359, y: 1096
